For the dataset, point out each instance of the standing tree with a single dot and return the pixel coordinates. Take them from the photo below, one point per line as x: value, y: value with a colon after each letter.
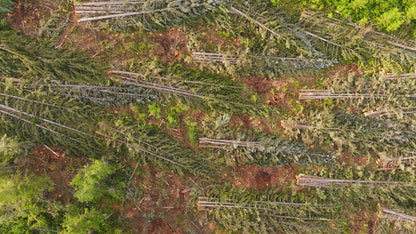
x: 23, y: 205
x: 91, y: 183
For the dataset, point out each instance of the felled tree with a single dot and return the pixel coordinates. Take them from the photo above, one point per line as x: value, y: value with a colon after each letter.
x: 195, y: 87
x: 94, y: 94
x: 49, y: 118
x: 272, y: 150
x: 241, y: 210
x: 24, y: 57
x: 250, y: 64
x: 353, y: 132
x: 319, y: 182
x: 388, y: 92
x: 361, y: 43
x: 149, y: 14
x: 150, y: 144
x: 273, y: 51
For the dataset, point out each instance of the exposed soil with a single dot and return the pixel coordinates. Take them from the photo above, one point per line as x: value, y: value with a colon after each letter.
x: 363, y: 222
x: 27, y: 16
x: 163, y: 207
x: 171, y: 45
x: 159, y: 226
x: 211, y: 37
x: 245, y: 122
x: 343, y: 70
x: 349, y: 160
x: 167, y: 46
x: 262, y: 177
x: 53, y: 162
x: 97, y: 43
x: 269, y: 89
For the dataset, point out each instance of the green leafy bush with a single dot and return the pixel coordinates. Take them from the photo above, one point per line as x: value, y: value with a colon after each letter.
x: 389, y: 15
x: 88, y: 221
x: 90, y: 182
x: 23, y: 203
x: 9, y: 148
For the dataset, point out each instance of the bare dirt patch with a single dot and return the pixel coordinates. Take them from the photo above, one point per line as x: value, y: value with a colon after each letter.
x: 361, y: 222
x: 170, y: 45
x: 262, y: 177
x: 245, y: 122
x: 27, y: 15
x: 53, y: 162
x: 343, y: 70
x: 273, y: 92
x: 164, y: 206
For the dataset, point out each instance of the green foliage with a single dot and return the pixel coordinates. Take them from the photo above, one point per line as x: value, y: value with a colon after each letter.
x: 4, y: 24
x: 16, y: 190
x: 193, y: 135
x: 91, y: 182
x: 86, y: 221
x: 9, y: 149
x: 5, y: 6
x: 53, y: 26
x: 151, y: 144
x: 173, y: 114
x: 353, y: 133
x: 271, y: 211
x: 389, y: 15
x: 154, y: 110
x: 24, y: 57
x: 23, y: 203
x: 391, y: 20
x: 143, y: 48
x: 196, y: 88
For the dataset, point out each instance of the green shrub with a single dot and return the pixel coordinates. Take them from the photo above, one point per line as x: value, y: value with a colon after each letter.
x: 90, y: 182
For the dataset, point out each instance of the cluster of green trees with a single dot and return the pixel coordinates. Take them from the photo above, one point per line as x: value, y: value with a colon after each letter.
x: 26, y: 203
x: 389, y: 15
